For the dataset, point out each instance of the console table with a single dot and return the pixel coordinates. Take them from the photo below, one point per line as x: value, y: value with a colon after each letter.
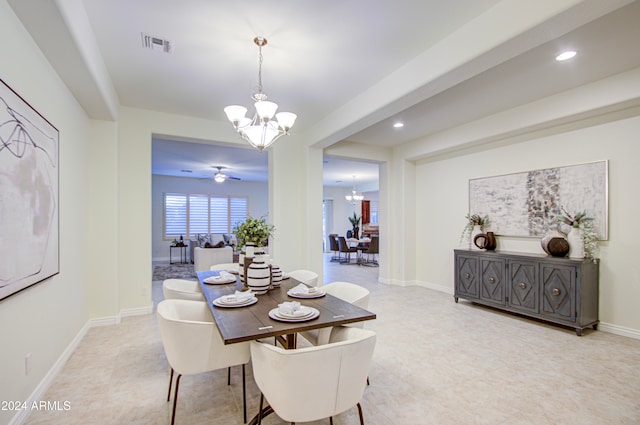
x: 183, y: 253
x: 558, y: 290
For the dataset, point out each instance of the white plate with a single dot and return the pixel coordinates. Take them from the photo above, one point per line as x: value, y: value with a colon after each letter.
x: 317, y: 294
x: 219, y: 303
x: 303, y: 309
x: 274, y: 315
x: 215, y: 280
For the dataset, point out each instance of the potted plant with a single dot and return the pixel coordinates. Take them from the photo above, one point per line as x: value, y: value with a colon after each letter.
x: 355, y: 223
x: 475, y: 224
x: 582, y: 237
x: 253, y: 230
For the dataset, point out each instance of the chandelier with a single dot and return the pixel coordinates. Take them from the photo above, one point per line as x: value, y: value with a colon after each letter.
x: 266, y: 126
x: 354, y: 196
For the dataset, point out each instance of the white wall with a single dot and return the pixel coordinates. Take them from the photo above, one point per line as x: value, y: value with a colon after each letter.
x: 442, y: 193
x: 256, y: 192
x: 44, y: 319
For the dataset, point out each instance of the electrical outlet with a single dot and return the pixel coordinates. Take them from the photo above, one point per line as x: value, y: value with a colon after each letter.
x: 27, y: 363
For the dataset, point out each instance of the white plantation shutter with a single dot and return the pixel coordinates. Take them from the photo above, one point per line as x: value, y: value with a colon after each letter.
x: 238, y: 208
x: 175, y: 215
x: 219, y: 214
x: 198, y: 214
x: 186, y: 214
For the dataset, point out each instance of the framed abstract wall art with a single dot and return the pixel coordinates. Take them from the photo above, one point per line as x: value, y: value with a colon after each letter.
x: 528, y: 204
x: 29, y: 239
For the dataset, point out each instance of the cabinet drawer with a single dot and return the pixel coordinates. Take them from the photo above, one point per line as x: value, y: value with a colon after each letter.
x: 559, y: 291
x: 492, y: 281
x: 467, y: 276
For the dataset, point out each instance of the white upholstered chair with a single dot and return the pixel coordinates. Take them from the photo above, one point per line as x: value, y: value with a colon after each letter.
x: 346, y: 291
x: 193, y: 344
x: 226, y: 266
x: 307, y: 277
x: 182, y: 289
x: 299, y: 390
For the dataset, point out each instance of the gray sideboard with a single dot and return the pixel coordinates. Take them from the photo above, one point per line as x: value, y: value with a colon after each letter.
x: 557, y: 290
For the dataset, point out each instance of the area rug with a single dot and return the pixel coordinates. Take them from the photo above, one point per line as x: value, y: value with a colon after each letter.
x: 173, y: 271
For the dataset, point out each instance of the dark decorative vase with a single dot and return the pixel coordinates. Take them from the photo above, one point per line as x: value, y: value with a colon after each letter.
x: 485, y: 241
x: 356, y: 231
x: 555, y: 243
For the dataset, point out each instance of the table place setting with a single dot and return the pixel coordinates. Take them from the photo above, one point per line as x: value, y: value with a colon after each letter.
x: 222, y: 277
x: 293, y: 312
x: 304, y: 291
x: 237, y: 299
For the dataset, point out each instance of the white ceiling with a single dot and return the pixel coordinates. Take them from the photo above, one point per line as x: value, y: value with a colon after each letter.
x: 321, y: 58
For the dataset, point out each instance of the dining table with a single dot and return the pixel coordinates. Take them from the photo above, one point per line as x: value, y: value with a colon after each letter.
x: 252, y: 322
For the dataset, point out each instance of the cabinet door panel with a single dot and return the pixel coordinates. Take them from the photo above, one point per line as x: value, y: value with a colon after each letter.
x: 524, y: 290
x: 467, y: 282
x: 559, y: 291
x: 492, y: 282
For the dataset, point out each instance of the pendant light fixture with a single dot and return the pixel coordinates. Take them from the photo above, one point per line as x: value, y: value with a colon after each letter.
x: 266, y: 126
x: 354, y: 196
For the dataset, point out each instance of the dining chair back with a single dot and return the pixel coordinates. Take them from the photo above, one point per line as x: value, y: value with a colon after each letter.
x: 182, y: 289
x: 346, y: 291
x: 299, y: 390
x: 307, y: 277
x: 371, y: 252
x: 333, y: 246
x: 344, y: 247
x: 193, y: 345
x: 230, y: 267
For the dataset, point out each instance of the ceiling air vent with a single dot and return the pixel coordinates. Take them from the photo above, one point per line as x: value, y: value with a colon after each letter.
x: 156, y: 43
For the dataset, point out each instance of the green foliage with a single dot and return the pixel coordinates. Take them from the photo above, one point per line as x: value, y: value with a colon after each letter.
x: 254, y: 230
x: 354, y: 219
x: 580, y: 220
x: 473, y: 220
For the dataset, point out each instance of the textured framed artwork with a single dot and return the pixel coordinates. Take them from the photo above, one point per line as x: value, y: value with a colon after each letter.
x: 529, y: 203
x: 29, y: 239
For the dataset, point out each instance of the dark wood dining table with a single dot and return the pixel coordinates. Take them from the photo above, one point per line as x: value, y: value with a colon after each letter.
x: 253, y: 322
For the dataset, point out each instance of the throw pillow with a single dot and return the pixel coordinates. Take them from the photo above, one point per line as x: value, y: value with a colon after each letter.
x: 202, y: 240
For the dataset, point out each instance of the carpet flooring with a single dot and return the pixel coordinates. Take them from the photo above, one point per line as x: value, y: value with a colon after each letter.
x: 173, y: 271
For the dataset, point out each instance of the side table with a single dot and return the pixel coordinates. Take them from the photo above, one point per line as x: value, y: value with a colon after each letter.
x: 183, y: 253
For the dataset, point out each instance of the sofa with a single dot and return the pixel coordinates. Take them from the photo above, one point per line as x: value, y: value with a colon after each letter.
x: 204, y: 258
x: 211, y: 248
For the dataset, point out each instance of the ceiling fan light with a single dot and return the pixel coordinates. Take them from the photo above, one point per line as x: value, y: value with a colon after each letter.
x: 219, y: 178
x: 235, y: 113
x: 286, y: 120
x: 265, y: 109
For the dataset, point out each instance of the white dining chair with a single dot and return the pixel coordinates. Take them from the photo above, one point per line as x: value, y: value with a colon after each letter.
x: 193, y: 345
x: 313, y: 383
x: 307, y: 277
x: 346, y: 291
x: 182, y: 289
x: 225, y: 266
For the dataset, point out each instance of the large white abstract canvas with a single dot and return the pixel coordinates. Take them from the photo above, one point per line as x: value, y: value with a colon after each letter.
x: 530, y: 203
x: 28, y: 195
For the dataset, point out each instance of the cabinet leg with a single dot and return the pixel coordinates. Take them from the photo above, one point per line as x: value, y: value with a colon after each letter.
x: 456, y: 299
x: 579, y: 331
x: 594, y: 326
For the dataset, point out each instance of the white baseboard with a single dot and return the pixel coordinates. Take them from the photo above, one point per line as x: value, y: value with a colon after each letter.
x: 140, y: 311
x: 619, y: 330
x: 40, y: 390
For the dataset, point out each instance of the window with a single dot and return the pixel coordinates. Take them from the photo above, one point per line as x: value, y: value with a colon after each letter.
x: 187, y: 215
x: 373, y: 211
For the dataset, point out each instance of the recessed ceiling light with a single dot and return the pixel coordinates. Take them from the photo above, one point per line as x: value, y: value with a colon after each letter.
x: 566, y: 55
x: 398, y: 125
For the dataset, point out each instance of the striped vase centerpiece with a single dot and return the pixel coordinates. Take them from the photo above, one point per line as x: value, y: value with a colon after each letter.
x: 259, y: 275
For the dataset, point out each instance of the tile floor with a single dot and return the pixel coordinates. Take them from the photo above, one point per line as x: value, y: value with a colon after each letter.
x: 436, y: 362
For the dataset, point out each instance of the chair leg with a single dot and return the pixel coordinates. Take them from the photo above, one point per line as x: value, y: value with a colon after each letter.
x: 260, y: 411
x: 367, y: 380
x: 229, y: 376
x: 330, y: 420
x: 244, y: 395
x: 170, y: 382
x: 360, y: 413
x: 175, y: 400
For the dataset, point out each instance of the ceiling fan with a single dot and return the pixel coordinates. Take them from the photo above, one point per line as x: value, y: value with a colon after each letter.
x: 221, y: 177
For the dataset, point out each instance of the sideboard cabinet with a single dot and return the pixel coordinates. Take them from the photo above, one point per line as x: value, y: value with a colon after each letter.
x: 558, y: 290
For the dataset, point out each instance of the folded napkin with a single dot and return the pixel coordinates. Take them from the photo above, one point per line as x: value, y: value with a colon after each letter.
x: 292, y: 308
x: 221, y: 277
x: 303, y: 289
x: 239, y: 296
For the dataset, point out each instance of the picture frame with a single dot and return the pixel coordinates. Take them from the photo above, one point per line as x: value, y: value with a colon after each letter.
x: 29, y: 195
x: 529, y: 204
